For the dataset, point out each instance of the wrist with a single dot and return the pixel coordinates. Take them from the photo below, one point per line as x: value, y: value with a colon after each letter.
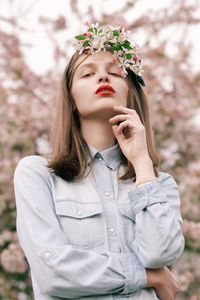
x: 153, y: 278
x: 141, y: 160
x: 143, y: 167
x: 144, y: 180
x: 150, y: 279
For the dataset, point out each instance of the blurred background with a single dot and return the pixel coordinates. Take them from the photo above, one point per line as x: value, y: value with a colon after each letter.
x: 35, y: 46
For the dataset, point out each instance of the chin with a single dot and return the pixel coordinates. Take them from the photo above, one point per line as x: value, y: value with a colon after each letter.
x: 104, y: 112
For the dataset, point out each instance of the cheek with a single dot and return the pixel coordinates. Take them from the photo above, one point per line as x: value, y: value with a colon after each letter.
x: 124, y: 91
x: 80, y: 97
x: 76, y: 93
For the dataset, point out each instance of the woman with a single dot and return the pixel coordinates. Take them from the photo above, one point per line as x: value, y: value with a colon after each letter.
x: 96, y: 219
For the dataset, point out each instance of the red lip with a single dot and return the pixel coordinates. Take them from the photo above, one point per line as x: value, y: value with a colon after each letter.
x: 105, y: 90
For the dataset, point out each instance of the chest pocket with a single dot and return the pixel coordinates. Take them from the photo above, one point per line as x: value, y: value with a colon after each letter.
x: 81, y: 218
x: 82, y: 222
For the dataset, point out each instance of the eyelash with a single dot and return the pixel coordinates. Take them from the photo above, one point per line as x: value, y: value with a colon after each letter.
x: 88, y: 75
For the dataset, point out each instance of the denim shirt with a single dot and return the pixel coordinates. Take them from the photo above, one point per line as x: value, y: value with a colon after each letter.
x: 93, y: 238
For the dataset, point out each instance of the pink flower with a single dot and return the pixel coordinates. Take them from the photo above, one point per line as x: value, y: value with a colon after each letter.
x: 87, y: 34
x: 12, y: 259
x: 194, y: 297
x: 135, y: 58
x: 123, y: 73
x: 86, y: 23
x: 114, y: 58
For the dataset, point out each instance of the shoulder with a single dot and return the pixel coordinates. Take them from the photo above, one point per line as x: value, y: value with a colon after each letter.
x: 32, y: 164
x: 33, y: 159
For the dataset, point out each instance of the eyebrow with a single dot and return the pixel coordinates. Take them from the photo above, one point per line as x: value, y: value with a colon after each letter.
x: 94, y: 65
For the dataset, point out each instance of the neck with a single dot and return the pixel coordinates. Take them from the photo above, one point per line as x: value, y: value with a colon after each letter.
x: 98, y: 133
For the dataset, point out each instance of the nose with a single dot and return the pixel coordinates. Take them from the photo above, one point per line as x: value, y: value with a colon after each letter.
x: 103, y: 78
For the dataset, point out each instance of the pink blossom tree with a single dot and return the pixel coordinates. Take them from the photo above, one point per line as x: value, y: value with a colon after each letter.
x: 173, y: 89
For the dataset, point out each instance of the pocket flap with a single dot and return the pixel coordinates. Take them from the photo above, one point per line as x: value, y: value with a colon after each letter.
x: 126, y: 210
x: 78, y: 210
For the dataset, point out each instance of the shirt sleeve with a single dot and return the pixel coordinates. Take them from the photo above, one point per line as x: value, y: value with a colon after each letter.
x: 57, y: 267
x: 156, y: 207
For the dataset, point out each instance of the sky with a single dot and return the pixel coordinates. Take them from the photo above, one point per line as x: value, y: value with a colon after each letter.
x: 39, y: 56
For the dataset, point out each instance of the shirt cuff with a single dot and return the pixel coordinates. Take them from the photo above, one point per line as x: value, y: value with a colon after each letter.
x: 146, y: 195
x: 135, y: 273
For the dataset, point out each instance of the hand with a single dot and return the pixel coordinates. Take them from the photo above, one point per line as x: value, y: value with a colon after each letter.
x: 164, y: 282
x: 133, y: 140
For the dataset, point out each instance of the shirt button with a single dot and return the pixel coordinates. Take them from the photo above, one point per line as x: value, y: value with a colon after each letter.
x: 47, y: 255
x: 107, y: 194
x: 79, y: 213
x: 99, y: 158
x: 112, y: 229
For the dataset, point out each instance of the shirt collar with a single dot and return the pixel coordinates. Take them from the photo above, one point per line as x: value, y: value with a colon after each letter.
x: 111, y: 155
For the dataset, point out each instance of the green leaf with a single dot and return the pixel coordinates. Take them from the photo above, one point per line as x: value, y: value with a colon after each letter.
x: 126, y: 44
x: 128, y: 56
x: 90, y: 30
x: 80, y: 37
x: 117, y: 48
x: 85, y: 43
x: 115, y: 33
x: 95, y: 29
x: 101, y: 30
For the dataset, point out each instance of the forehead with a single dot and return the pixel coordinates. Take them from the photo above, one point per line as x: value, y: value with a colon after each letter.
x: 103, y: 58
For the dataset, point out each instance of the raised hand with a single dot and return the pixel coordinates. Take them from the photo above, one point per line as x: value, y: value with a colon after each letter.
x: 130, y: 133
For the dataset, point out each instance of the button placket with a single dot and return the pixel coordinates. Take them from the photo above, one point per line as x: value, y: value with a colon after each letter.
x: 105, y: 185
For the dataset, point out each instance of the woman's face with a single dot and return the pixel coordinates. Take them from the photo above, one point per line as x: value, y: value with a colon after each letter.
x: 98, y: 71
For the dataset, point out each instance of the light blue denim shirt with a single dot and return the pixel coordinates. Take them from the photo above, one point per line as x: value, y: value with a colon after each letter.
x: 93, y: 238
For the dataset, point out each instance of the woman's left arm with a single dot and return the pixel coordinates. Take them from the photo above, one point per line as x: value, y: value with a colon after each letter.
x: 159, y: 240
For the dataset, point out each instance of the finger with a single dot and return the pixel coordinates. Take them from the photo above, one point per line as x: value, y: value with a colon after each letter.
x: 178, y: 285
x: 123, y: 109
x: 119, y: 136
x: 119, y: 118
x: 124, y: 124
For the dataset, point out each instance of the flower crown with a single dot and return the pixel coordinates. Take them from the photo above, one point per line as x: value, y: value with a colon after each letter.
x: 115, y: 40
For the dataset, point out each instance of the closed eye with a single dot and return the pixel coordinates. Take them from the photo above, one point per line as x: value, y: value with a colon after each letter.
x: 88, y: 75
x: 114, y: 74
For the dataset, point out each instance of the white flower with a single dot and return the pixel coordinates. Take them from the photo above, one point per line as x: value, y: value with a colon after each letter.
x: 101, y: 42
x: 94, y: 25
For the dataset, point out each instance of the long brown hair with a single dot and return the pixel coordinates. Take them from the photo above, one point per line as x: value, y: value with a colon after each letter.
x: 69, y: 151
